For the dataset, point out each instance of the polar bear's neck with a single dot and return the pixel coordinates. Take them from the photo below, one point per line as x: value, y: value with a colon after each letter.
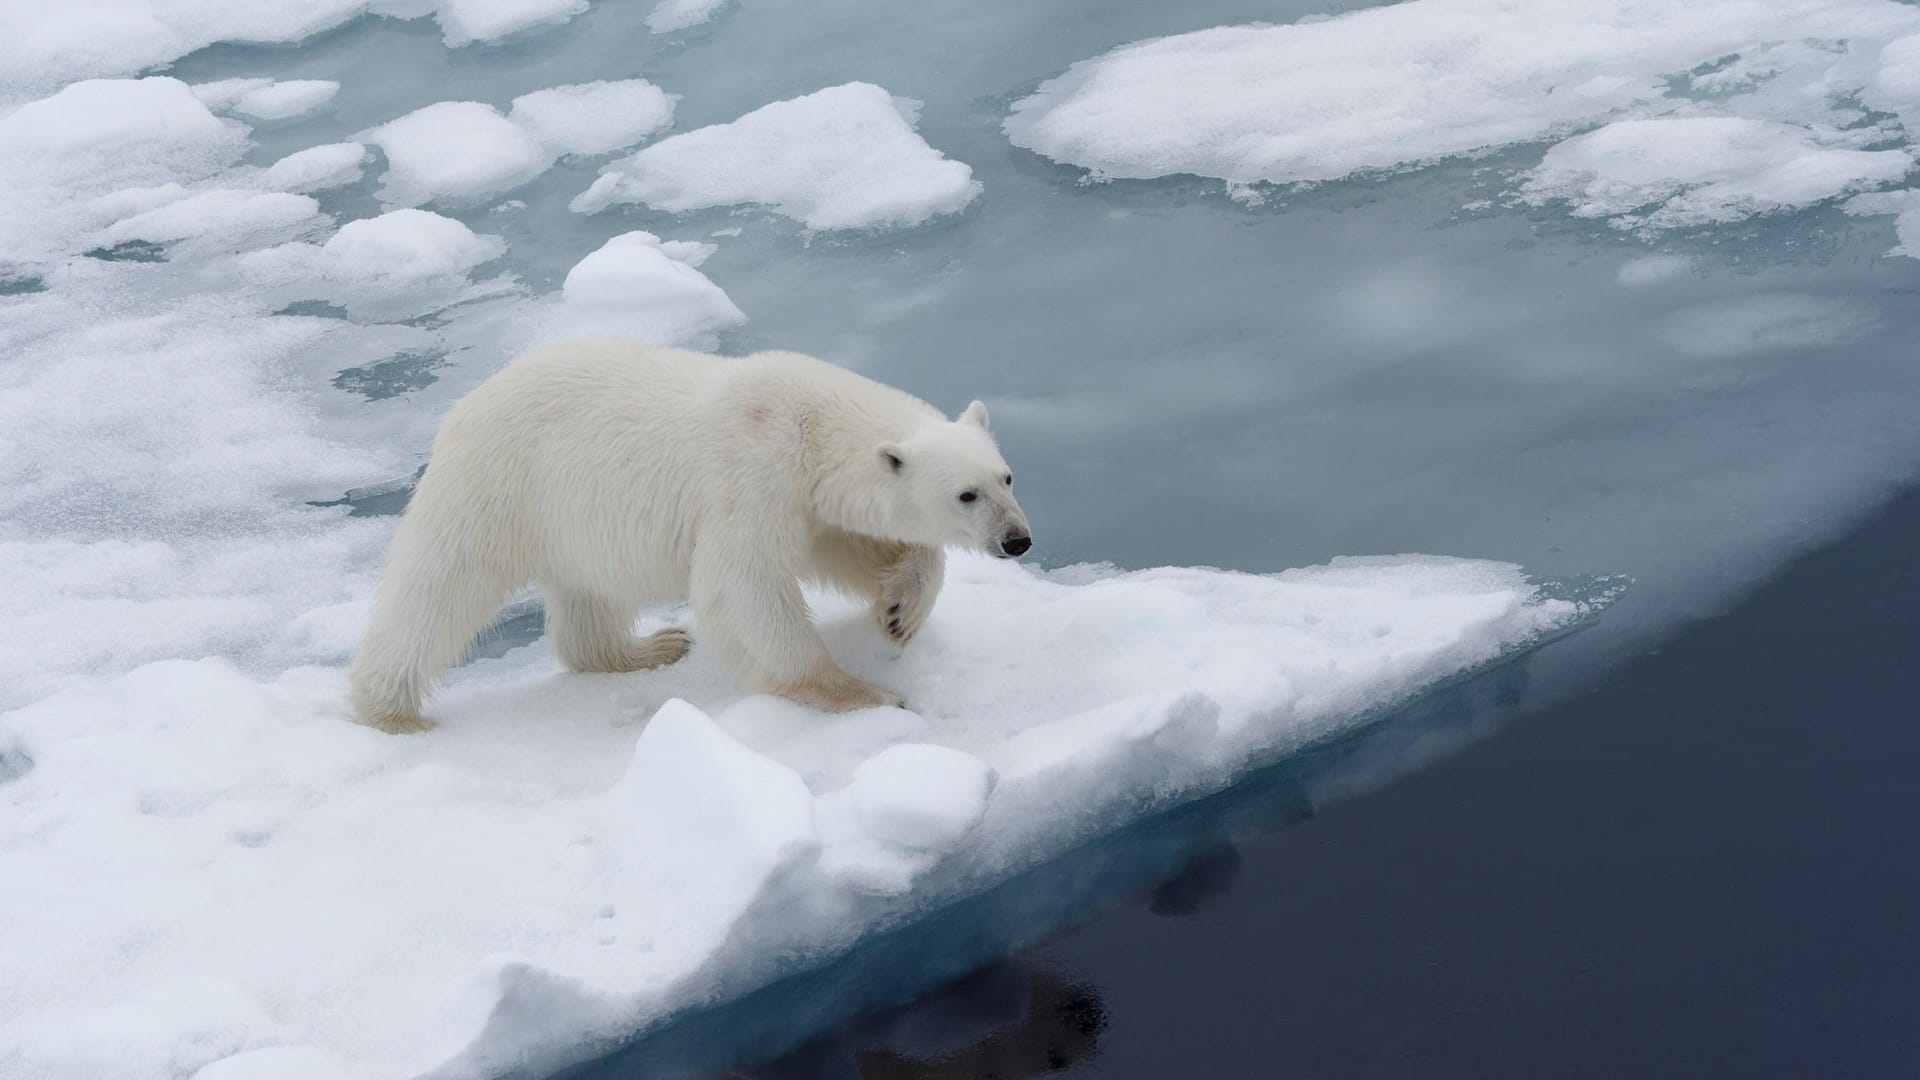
x: 850, y: 488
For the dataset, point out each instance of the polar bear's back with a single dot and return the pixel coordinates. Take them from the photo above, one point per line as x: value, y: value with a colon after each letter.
x: 599, y: 458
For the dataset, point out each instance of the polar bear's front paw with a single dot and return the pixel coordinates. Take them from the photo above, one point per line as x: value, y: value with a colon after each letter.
x: 906, y: 600
x: 841, y: 692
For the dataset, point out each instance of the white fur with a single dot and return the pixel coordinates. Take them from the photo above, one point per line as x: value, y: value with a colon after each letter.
x: 617, y: 475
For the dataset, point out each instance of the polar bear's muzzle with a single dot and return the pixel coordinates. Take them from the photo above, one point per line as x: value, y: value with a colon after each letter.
x: 1015, y: 544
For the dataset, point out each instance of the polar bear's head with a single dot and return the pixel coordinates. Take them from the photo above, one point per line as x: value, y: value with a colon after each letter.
x: 948, y: 485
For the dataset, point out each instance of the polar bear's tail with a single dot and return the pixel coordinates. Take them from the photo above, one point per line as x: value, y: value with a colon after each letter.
x: 444, y: 583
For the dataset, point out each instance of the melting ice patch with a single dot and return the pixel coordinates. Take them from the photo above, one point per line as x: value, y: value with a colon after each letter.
x: 592, y: 851
x: 43, y: 46
x: 1904, y: 205
x: 1703, y: 170
x: 1765, y: 82
x: 846, y: 157
x: 671, y: 15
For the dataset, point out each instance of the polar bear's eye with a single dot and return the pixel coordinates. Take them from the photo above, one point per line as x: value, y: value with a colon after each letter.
x: 1007, y: 479
x: 969, y: 496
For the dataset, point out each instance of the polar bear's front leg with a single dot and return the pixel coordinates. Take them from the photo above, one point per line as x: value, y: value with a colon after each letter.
x: 755, y: 617
x: 907, y: 591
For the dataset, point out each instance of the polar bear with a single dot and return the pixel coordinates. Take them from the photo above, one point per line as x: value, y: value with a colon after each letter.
x: 616, y: 475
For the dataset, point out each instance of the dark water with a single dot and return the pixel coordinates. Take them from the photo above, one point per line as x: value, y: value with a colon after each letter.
x: 1705, y: 866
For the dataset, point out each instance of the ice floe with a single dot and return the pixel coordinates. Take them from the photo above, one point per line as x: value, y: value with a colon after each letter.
x: 1713, y: 108
x: 459, y: 152
x: 846, y: 157
x: 455, y: 151
x: 591, y: 850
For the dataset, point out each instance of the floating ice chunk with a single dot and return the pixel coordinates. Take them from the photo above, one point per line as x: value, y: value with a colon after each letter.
x: 638, y: 287
x: 286, y: 100
x: 596, y: 117
x: 407, y: 245
x: 317, y: 168
x: 456, y: 151
x: 846, y: 157
x: 670, y: 15
x: 1406, y: 83
x: 1905, y: 205
x: 463, y: 22
x: 1689, y: 171
x: 223, y: 94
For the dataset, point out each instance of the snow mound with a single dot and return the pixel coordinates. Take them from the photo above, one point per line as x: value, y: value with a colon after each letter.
x: 638, y: 287
x: 846, y: 157
x: 1690, y: 171
x: 596, y: 117
x: 1408, y: 83
x: 239, y: 828
x: 670, y: 15
x: 454, y: 151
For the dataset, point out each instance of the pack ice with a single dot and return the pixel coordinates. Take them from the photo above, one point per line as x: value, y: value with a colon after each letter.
x: 206, y: 871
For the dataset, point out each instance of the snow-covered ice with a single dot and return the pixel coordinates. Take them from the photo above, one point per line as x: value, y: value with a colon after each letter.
x: 846, y: 157
x: 238, y: 828
x: 594, y: 118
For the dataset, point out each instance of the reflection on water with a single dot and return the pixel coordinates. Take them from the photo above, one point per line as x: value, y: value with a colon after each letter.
x: 843, y: 1016
x: 1010, y: 1020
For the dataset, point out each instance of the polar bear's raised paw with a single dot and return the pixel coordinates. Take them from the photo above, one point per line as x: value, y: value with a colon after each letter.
x: 907, y: 594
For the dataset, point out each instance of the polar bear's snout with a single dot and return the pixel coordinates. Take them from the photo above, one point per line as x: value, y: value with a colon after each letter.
x: 1015, y: 544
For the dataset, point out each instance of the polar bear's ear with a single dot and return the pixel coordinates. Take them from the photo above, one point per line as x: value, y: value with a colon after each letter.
x: 891, y: 457
x: 975, y: 413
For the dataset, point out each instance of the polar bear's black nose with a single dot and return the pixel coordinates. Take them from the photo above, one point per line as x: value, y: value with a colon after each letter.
x: 1017, y: 545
